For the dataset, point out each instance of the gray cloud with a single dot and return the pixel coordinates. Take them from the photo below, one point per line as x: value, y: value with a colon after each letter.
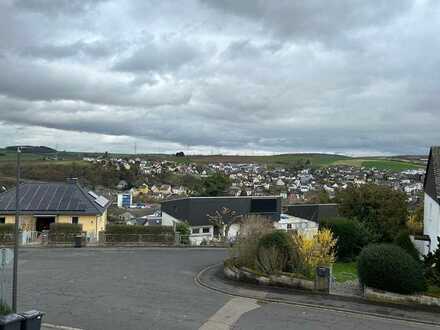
x: 159, y: 55
x: 55, y: 7
x: 233, y: 76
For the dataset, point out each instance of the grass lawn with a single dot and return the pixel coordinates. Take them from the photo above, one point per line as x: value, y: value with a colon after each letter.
x: 345, y: 271
x: 433, y: 291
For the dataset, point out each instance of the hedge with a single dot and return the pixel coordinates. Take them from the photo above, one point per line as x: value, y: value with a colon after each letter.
x: 390, y: 268
x: 7, y: 233
x: 351, y: 234
x: 64, y: 232
x: 127, y: 233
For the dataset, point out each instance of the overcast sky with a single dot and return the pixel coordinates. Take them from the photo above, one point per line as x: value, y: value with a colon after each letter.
x: 203, y: 76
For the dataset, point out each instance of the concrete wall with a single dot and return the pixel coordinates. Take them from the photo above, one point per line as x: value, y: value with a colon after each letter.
x: 431, y: 222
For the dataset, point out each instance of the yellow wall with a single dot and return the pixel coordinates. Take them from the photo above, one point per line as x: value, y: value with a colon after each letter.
x: 90, y: 223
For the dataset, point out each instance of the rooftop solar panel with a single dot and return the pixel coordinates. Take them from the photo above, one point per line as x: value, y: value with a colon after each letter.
x: 101, y: 201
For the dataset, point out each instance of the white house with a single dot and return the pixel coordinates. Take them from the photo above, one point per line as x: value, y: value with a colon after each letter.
x: 431, y: 221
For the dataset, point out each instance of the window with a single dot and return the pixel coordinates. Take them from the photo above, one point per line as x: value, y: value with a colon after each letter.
x: 206, y: 229
x: 2, y: 220
x: 75, y: 220
x: 289, y: 226
x: 196, y: 230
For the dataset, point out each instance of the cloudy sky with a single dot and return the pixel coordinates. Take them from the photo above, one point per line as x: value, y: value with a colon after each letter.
x: 211, y: 76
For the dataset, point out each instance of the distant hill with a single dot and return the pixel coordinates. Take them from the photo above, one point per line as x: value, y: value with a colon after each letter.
x: 41, y: 150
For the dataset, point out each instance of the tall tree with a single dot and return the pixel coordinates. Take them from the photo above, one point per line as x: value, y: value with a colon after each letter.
x: 383, y: 210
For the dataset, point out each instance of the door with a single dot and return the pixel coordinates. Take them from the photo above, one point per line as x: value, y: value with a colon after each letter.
x: 43, y: 223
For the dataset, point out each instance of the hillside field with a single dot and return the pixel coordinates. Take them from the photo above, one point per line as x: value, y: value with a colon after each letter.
x: 394, y: 163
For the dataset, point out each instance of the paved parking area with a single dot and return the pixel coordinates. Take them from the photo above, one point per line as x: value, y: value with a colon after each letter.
x: 144, y: 288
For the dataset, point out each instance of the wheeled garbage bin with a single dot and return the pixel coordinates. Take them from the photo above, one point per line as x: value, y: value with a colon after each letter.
x: 11, y: 322
x: 77, y: 241
x: 32, y: 320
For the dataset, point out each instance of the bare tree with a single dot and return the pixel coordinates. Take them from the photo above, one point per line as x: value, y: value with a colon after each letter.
x: 222, y: 220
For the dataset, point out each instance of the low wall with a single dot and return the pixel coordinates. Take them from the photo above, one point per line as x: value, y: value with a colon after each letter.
x: 384, y: 296
x: 281, y: 280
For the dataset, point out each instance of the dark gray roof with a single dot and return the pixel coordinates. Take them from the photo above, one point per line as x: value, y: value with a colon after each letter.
x: 432, y: 178
x: 53, y: 198
x: 313, y: 212
x: 195, y: 209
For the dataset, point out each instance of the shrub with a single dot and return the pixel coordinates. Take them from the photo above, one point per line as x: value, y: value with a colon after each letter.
x: 7, y: 233
x: 274, y: 251
x: 5, y: 309
x: 184, y: 229
x: 245, y: 248
x: 351, y: 234
x: 390, y: 268
x: 65, y: 228
x: 432, y: 267
x: 64, y: 232
x: 312, y: 252
x: 404, y: 241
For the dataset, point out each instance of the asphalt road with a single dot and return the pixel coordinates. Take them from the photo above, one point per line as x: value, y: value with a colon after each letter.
x: 155, y: 289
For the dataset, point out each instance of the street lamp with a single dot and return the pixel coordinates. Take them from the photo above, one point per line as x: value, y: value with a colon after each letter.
x: 16, y: 233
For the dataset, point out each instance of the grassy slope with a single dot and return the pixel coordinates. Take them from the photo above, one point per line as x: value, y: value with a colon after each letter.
x: 344, y: 271
x: 283, y: 160
x: 380, y: 163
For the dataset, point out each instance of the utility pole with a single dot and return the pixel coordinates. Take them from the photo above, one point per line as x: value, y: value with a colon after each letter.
x: 17, y: 228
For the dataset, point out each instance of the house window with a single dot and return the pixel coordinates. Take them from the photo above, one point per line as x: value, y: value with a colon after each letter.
x: 2, y: 220
x: 196, y: 230
x: 206, y: 229
x: 75, y: 220
x: 289, y: 226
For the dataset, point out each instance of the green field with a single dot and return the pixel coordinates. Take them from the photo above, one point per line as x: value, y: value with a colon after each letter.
x: 380, y: 164
x: 283, y: 160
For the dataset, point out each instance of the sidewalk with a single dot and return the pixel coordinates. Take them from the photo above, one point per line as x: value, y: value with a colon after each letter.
x: 213, y: 278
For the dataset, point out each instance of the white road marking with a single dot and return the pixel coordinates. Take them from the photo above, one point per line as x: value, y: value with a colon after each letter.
x: 229, y: 314
x: 59, y: 327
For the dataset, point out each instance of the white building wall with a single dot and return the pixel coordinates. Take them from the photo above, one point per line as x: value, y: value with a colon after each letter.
x: 168, y: 220
x: 431, y: 221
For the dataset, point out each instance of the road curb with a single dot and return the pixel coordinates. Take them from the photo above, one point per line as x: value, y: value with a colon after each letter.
x: 198, y: 281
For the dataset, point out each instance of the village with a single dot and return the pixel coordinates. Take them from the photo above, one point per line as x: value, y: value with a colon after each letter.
x: 301, y: 184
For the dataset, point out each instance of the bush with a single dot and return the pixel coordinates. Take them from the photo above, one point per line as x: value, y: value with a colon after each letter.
x: 390, y: 268
x: 351, y: 234
x: 245, y: 248
x: 127, y: 233
x: 274, y: 251
x: 5, y: 309
x: 432, y: 267
x: 310, y: 252
x: 404, y: 241
x: 7, y: 233
x: 184, y: 229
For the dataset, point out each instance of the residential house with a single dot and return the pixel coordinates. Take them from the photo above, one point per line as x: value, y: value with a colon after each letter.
x: 313, y: 212
x: 431, y: 222
x: 44, y: 203
x: 196, y: 211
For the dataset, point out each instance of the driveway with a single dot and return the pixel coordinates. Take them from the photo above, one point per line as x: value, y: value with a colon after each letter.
x: 154, y: 288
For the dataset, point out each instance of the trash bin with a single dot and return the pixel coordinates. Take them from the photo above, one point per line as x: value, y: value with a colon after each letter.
x: 322, y: 279
x: 77, y: 241
x: 32, y: 320
x: 11, y: 322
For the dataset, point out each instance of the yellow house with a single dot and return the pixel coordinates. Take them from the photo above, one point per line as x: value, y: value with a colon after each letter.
x: 66, y: 202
